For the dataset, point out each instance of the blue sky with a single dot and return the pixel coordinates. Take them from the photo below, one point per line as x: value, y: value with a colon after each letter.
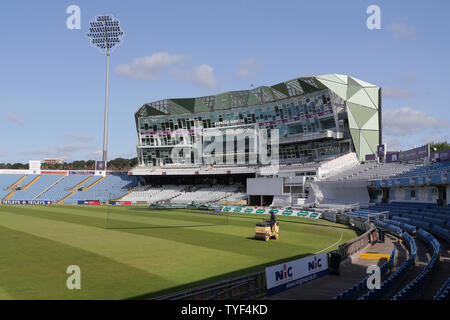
x: 52, y: 81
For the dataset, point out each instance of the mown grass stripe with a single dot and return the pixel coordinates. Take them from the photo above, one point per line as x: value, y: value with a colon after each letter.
x: 205, y: 237
x: 165, y: 258
x: 33, y: 267
x: 123, y: 217
x: 5, y: 295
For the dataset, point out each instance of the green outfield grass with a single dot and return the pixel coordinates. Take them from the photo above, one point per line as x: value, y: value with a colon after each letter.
x: 144, y: 253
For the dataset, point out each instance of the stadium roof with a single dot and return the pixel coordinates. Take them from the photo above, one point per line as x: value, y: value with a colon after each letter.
x: 344, y: 86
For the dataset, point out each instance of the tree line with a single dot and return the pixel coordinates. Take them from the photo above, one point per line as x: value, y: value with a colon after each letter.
x: 116, y: 164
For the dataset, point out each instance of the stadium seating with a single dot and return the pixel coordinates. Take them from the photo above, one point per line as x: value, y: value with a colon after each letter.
x: 36, y: 188
x: 390, y: 284
x: 106, y: 188
x: 444, y: 291
x: 395, y: 230
x: 62, y: 189
x: 27, y: 180
x: 373, y: 171
x: 415, y: 287
x: 404, y: 226
x: 432, y: 169
x: 436, y: 173
x: 235, y: 196
x: 6, y: 181
x: 154, y: 194
x: 205, y: 195
x: 73, y: 188
x: 429, y: 217
x: 425, y: 209
x: 366, y: 214
x: 185, y: 194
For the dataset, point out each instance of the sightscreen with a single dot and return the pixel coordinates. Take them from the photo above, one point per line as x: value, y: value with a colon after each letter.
x: 265, y: 186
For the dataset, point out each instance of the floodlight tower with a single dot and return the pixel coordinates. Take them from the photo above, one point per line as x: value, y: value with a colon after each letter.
x: 105, y: 34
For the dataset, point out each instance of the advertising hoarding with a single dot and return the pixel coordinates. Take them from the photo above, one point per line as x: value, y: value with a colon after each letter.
x: 89, y: 202
x: 381, y: 151
x: 294, y: 273
x: 120, y: 203
x: 35, y: 202
x: 443, y: 155
x: 413, y: 154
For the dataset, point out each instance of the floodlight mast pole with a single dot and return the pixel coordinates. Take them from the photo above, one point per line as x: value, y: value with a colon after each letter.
x: 105, y: 34
x: 105, y: 133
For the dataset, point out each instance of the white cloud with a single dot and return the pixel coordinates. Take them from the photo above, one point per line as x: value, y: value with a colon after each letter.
x: 401, y: 30
x: 96, y: 155
x: 78, y: 136
x: 65, y: 152
x: 405, y: 121
x: 150, y: 67
x: 201, y: 76
x: 435, y: 138
x: 13, y: 118
x: 389, y: 92
x: 393, y: 144
x: 248, y: 69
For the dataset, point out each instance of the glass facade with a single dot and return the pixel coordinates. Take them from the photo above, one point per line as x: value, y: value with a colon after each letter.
x: 308, y: 124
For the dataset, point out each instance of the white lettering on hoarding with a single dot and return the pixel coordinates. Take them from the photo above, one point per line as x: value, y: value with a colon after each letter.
x: 296, y: 272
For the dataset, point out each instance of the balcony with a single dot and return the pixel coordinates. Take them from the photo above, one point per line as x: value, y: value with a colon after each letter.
x: 324, y: 134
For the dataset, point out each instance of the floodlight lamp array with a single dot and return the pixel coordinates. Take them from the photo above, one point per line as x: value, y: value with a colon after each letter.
x: 105, y: 33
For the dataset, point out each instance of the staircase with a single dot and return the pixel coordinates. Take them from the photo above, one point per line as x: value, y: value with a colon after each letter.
x: 11, y: 188
x: 32, y: 182
x: 66, y: 197
x: 46, y: 189
x: 95, y: 183
x: 17, y: 182
x: 81, y: 183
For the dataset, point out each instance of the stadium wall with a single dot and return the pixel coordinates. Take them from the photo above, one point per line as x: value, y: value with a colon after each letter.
x: 265, y: 186
x: 414, y: 194
x: 14, y: 171
x: 338, y: 192
x: 342, y: 163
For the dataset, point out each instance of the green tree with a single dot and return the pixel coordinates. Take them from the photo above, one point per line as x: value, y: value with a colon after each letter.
x: 438, y: 146
x: 90, y: 164
x: 133, y: 162
x: 19, y: 166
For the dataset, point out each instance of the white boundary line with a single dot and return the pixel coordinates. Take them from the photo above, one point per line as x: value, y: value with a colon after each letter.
x: 334, y: 228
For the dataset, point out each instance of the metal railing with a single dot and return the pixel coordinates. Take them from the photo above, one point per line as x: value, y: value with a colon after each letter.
x: 249, y: 287
x: 351, y: 247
